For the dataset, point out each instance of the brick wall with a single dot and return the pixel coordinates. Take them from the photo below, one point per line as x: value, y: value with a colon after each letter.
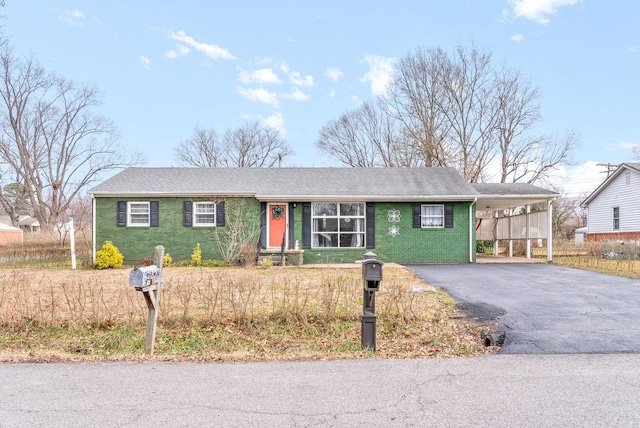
x: 138, y: 243
x: 613, y: 236
x: 410, y: 246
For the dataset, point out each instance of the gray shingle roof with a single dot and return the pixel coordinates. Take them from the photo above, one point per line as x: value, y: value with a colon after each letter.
x: 372, y: 184
x: 511, y: 189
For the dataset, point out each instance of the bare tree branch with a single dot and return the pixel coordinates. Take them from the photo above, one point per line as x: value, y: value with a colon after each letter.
x: 202, y: 150
x: 53, y: 137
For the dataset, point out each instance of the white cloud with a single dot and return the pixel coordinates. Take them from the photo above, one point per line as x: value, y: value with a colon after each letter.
x: 517, y: 37
x: 146, y: 62
x: 334, y: 73
x: 579, y: 181
x: 210, y: 50
x: 539, y: 10
x: 275, y: 121
x: 73, y: 17
x: 379, y: 74
x: 295, y: 77
x: 179, y: 51
x: 633, y: 48
x: 332, y: 93
x: 297, y: 95
x: 263, y: 75
x: 627, y: 145
x: 260, y: 95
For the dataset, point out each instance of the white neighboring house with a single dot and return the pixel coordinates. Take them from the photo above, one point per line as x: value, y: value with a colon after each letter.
x: 613, y: 209
x: 29, y: 224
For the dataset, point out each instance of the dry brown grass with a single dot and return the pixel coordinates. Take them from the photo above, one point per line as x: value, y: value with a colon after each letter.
x: 225, y: 314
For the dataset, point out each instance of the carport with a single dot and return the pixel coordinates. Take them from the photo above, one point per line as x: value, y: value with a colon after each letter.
x: 498, y: 220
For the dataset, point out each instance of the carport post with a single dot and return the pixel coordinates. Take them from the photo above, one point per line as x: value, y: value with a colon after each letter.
x: 510, y: 237
x: 549, y: 230
x: 528, y: 227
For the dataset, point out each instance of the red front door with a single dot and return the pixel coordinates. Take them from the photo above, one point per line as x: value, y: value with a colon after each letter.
x: 277, y: 224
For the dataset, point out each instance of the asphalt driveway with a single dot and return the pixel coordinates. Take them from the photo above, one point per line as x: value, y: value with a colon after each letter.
x: 546, y: 309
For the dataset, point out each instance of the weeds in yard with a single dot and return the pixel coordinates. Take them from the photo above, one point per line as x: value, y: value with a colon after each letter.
x: 225, y: 314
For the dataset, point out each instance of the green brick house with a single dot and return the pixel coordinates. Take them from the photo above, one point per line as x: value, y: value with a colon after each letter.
x: 317, y: 215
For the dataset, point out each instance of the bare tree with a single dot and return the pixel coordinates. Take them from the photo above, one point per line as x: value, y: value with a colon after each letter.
x: 534, y: 160
x: 52, y: 137
x: 636, y: 152
x: 249, y: 146
x: 202, y: 150
x: 254, y: 146
x: 416, y: 100
x: 452, y: 109
x: 365, y: 137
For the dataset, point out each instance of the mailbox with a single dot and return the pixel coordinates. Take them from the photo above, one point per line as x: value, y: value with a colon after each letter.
x: 372, y: 274
x: 372, y: 270
x: 144, y: 276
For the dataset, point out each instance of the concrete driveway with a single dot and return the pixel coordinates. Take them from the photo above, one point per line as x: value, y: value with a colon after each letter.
x: 546, y: 309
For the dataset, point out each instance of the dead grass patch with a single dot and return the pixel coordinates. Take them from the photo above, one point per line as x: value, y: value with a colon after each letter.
x: 225, y: 314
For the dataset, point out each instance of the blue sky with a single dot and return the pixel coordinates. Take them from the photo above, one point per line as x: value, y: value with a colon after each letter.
x: 166, y: 67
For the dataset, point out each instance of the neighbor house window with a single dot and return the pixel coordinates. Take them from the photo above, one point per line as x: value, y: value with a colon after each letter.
x: 204, y: 214
x: 431, y: 216
x: 338, y: 225
x: 616, y: 218
x: 139, y: 214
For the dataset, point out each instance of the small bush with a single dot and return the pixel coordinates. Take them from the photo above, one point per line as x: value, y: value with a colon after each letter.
x: 167, y: 260
x: 146, y: 262
x: 267, y: 262
x: 108, y: 257
x: 196, y: 256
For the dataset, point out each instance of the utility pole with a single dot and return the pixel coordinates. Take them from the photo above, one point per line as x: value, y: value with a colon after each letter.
x: 610, y: 167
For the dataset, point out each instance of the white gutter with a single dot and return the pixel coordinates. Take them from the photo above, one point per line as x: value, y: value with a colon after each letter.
x: 472, y: 236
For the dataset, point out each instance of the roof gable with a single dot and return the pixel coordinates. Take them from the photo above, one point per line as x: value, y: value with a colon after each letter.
x: 630, y: 166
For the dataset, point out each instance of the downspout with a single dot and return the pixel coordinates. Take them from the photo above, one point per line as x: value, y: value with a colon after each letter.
x: 472, y: 235
x: 93, y: 229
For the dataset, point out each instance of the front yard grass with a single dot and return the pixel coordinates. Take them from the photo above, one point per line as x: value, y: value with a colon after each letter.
x: 226, y: 314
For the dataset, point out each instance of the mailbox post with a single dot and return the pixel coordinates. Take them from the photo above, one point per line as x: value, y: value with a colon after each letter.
x: 148, y: 280
x: 372, y: 276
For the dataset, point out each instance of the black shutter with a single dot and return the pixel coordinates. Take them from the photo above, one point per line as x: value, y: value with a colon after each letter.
x: 371, y: 225
x: 122, y: 213
x: 154, y: 211
x: 220, y: 214
x: 306, y: 225
x: 448, y: 215
x: 263, y: 225
x: 187, y: 213
x: 417, y: 211
x: 291, y: 228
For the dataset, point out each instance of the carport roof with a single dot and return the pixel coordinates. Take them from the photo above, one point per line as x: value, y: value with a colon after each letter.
x: 499, y: 196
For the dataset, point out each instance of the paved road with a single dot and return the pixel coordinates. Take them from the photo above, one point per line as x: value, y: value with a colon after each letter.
x: 544, y: 308
x: 494, y: 391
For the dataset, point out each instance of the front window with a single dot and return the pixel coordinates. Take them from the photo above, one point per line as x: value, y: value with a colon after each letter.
x: 338, y: 225
x: 138, y: 214
x: 204, y: 214
x: 432, y: 216
x: 616, y: 218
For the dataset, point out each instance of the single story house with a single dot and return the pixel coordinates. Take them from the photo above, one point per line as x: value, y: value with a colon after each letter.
x: 404, y: 215
x: 613, y: 208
